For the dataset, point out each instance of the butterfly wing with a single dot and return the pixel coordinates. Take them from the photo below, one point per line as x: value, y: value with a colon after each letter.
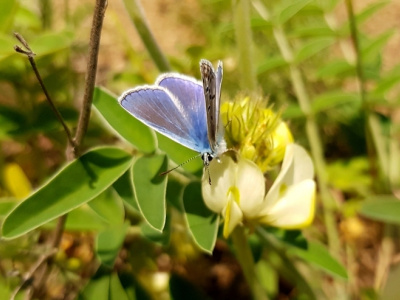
x: 212, y: 91
x: 159, y: 109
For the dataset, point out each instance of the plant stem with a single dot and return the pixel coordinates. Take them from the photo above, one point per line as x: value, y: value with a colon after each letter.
x: 246, y: 261
x: 136, y: 13
x: 244, y: 42
x: 378, y: 147
x: 30, y: 54
x: 94, y: 44
x: 311, y: 131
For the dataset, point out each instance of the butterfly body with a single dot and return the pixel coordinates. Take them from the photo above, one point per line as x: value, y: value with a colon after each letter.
x: 183, y: 109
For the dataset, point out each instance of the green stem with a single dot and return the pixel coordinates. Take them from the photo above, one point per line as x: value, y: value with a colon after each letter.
x: 311, y: 131
x: 246, y: 261
x: 136, y: 13
x: 244, y: 42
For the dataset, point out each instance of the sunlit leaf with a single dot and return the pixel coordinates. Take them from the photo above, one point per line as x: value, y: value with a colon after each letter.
x: 313, y: 47
x: 156, y: 236
x: 271, y: 63
x: 150, y: 188
x: 336, y: 68
x: 109, y: 206
x: 109, y: 242
x: 312, y: 31
x: 180, y: 154
x: 373, y: 48
x: 288, y: 9
x: 51, y: 42
x: 81, y: 219
x: 332, y: 99
x: 131, y: 129
x: 385, y: 208
x: 203, y: 223
x: 124, y: 187
x: 77, y: 183
x: 370, y: 10
x: 319, y: 256
x: 117, y: 292
x: 7, y: 13
x: 97, y: 288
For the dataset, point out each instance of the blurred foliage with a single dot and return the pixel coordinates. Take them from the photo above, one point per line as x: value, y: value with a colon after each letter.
x: 109, y: 251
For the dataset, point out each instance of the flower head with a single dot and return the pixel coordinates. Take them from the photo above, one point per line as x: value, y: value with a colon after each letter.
x: 257, y: 133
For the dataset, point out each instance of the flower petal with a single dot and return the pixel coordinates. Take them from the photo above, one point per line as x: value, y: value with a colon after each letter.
x: 296, y: 167
x: 232, y: 216
x: 295, y: 209
x: 250, y: 182
x: 222, y: 178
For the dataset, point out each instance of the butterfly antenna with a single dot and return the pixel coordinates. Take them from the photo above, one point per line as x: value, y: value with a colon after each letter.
x: 209, y: 176
x: 180, y: 165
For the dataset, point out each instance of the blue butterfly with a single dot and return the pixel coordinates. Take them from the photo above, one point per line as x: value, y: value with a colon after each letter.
x: 183, y: 109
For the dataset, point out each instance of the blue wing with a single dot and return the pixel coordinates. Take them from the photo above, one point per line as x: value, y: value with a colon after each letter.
x: 172, y: 112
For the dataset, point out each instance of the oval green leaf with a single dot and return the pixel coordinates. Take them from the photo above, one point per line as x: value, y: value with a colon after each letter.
x: 385, y: 208
x: 202, y: 222
x: 129, y: 128
x: 180, y: 154
x: 109, y: 206
x: 319, y: 256
x: 313, y: 47
x: 108, y: 243
x: 150, y: 187
x: 77, y: 183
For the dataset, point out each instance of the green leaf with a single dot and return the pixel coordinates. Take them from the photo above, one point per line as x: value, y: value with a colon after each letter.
x: 98, y: 288
x: 288, y: 9
x: 291, y: 237
x: 293, y: 111
x: 385, y: 84
x: 109, y: 206
x: 319, y: 256
x: 313, y: 47
x: 81, y: 219
x: 312, y: 31
x: 150, y: 188
x: 77, y: 183
x: 6, y: 205
x: 271, y: 63
x: 124, y: 188
x: 109, y: 242
x: 370, y: 11
x: 116, y: 290
x: 203, y: 223
x: 332, y: 99
x: 128, y: 127
x: 7, y: 43
x: 385, y: 208
x: 373, y: 48
x: 51, y: 42
x: 155, y: 235
x: 335, y: 69
x: 8, y: 10
x: 180, y: 154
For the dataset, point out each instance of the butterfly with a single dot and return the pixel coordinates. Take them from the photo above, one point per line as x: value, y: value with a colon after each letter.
x: 183, y: 109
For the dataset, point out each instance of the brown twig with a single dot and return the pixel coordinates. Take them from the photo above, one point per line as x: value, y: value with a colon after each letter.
x: 75, y: 142
x: 30, y: 54
x: 94, y: 44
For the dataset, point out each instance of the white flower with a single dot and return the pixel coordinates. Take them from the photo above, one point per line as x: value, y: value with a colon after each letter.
x: 238, y: 188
